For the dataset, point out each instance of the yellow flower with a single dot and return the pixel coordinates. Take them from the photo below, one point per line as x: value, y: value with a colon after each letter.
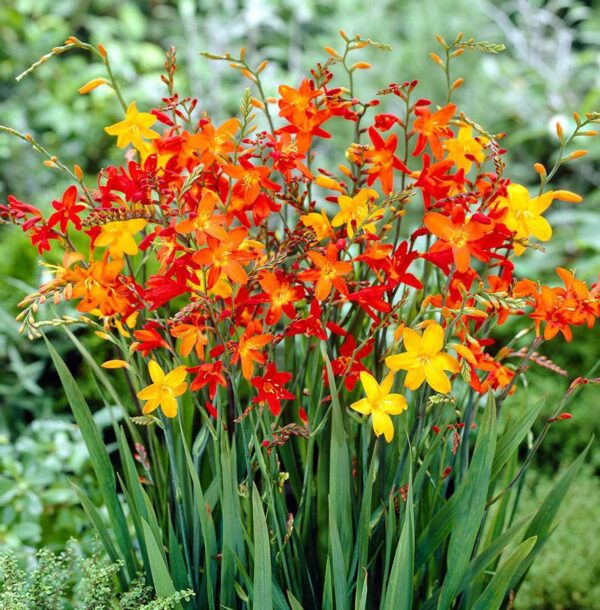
x: 118, y: 236
x: 164, y: 390
x: 134, y: 128
x: 524, y: 216
x: 319, y: 223
x: 354, y: 211
x: 424, y: 359
x: 380, y: 404
x: 464, y: 144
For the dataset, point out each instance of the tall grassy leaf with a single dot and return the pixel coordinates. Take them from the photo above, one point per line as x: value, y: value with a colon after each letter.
x: 499, y: 586
x: 98, y: 457
x: 161, y: 577
x: 339, y: 468
x: 340, y: 581
x: 399, y: 593
x: 262, y: 555
x: 471, y: 506
x: 514, y: 435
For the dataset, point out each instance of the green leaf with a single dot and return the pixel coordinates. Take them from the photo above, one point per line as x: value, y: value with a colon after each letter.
x: 339, y: 468
x: 340, y: 579
x: 514, y: 435
x: 479, y: 563
x: 399, y: 594
x: 209, y: 537
x: 362, y: 603
x: 262, y: 555
x: 294, y: 603
x: 161, y: 578
x: 363, y: 533
x: 499, y: 586
x: 470, y: 507
x: 98, y: 457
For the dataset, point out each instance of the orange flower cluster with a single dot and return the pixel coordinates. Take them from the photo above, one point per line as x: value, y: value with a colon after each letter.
x: 215, y: 246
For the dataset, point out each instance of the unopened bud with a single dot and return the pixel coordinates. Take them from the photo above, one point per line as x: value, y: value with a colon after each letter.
x: 441, y: 41
x: 437, y: 59
x: 93, y: 84
x: 576, y: 154
x: 262, y: 66
x: 332, y: 52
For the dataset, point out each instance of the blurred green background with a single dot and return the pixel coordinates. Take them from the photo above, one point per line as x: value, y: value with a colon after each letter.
x: 551, y: 67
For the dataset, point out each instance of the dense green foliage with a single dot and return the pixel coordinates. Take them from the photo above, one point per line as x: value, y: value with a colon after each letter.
x: 549, y: 70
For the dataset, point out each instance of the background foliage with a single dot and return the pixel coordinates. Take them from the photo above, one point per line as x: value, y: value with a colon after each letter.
x: 550, y: 68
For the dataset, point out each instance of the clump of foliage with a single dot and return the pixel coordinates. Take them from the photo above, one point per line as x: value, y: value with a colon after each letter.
x: 65, y: 581
x: 340, y: 324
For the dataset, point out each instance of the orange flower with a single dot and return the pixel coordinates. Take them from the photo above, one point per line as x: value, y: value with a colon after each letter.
x: 457, y: 234
x: 192, y: 337
x: 248, y: 351
x: 298, y: 108
x: 250, y: 179
x: 383, y: 161
x: 281, y: 296
x: 206, y: 222
x: 214, y: 144
x: 431, y: 128
x: 225, y: 257
x: 329, y: 272
x: 99, y: 288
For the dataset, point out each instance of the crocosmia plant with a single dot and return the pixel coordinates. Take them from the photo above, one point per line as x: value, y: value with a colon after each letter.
x: 314, y: 356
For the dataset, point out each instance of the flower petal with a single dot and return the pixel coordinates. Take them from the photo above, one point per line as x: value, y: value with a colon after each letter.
x: 382, y: 424
x: 175, y: 377
x: 437, y: 379
x: 156, y: 373
x: 414, y: 378
x: 393, y: 404
x: 412, y: 340
x: 404, y: 361
x: 362, y: 406
x: 370, y: 385
x: 168, y: 404
x: 433, y: 339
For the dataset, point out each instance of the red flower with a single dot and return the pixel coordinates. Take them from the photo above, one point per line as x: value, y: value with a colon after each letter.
x: 67, y: 210
x: 41, y: 235
x: 348, y: 363
x: 209, y: 374
x: 270, y: 388
x: 149, y: 339
x: 311, y: 325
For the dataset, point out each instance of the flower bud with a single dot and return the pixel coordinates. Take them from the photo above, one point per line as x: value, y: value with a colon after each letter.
x: 93, y: 84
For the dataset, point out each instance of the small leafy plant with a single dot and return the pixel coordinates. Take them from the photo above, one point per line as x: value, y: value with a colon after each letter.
x: 66, y: 581
x: 319, y: 412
